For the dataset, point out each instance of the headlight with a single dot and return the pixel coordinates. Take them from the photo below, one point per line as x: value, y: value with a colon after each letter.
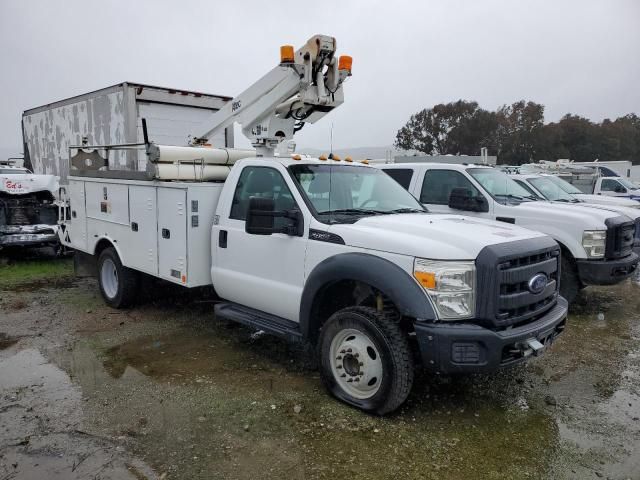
x: 451, y: 286
x: 594, y: 242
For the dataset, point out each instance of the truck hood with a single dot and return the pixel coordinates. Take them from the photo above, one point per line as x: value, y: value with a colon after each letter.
x: 605, y: 200
x: 632, y: 213
x: 446, y: 237
x: 21, y: 184
x: 542, y: 212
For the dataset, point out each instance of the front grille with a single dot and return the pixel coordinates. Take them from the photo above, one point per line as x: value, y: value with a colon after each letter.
x: 620, y: 239
x: 504, y: 297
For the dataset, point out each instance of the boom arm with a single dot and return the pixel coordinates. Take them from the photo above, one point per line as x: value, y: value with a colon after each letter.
x: 303, y: 88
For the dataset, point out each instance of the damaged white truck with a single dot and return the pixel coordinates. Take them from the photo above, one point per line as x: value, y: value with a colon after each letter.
x: 325, y: 251
x: 28, y: 209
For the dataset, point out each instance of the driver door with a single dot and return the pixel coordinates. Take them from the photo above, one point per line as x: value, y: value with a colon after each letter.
x: 264, y: 272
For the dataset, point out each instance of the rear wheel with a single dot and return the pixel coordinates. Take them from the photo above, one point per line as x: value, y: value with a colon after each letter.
x: 366, y: 360
x: 118, y: 284
x: 570, y: 284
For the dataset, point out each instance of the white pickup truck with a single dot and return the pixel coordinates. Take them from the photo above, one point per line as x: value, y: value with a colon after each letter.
x: 597, y: 245
x: 28, y: 213
x: 554, y: 189
x: 614, y: 187
x: 578, y: 195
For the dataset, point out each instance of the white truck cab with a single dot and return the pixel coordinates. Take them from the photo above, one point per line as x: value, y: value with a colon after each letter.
x: 597, y: 244
x: 616, y: 187
x: 330, y: 252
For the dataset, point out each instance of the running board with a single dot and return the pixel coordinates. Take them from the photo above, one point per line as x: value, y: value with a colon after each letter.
x: 271, y: 324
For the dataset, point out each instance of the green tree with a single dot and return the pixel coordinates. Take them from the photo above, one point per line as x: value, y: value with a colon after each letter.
x: 519, y: 132
x: 457, y: 128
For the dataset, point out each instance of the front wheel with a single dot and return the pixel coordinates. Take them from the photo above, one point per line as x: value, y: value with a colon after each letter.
x: 366, y: 360
x: 118, y: 284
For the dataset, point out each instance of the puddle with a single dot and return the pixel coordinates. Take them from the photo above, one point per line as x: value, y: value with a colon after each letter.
x: 42, y: 434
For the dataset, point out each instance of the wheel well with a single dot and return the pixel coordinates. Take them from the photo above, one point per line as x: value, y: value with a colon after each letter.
x: 565, y: 251
x: 342, y: 294
x: 102, y: 245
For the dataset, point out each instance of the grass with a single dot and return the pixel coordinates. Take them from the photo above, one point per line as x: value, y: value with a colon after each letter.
x: 20, y: 273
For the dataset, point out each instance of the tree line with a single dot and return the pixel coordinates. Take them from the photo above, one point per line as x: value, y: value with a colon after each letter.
x: 517, y: 134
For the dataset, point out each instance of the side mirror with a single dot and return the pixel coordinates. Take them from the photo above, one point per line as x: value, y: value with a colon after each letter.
x: 260, y: 217
x: 461, y: 199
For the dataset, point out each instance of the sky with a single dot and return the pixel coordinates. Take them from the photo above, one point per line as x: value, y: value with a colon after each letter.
x: 580, y: 57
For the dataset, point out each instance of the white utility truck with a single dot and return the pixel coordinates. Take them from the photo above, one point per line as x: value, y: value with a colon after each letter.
x: 554, y: 189
x: 330, y: 252
x: 28, y: 210
x: 597, y: 245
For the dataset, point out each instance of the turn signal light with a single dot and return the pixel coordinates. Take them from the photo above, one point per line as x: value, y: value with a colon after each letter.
x: 296, y: 157
x: 348, y: 159
x: 336, y: 158
x: 366, y: 162
x: 322, y: 157
x: 345, y: 63
x: 426, y: 279
x: 286, y: 54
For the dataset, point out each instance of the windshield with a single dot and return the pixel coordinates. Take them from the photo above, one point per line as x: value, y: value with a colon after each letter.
x: 13, y: 171
x: 564, y: 185
x: 500, y: 186
x: 550, y: 190
x: 628, y: 184
x: 344, y: 194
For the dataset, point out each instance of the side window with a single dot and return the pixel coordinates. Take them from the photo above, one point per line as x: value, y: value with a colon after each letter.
x: 437, y: 186
x: 401, y: 175
x: 265, y: 182
x: 609, y: 185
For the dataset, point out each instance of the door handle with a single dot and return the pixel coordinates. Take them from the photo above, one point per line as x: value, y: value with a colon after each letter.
x: 134, y: 226
x: 222, y: 239
x: 166, y: 233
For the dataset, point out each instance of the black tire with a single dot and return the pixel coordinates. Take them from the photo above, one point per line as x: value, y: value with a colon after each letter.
x: 126, y: 280
x: 570, y: 284
x: 394, y: 353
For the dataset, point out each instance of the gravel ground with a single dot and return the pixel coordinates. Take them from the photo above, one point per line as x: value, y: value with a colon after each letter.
x: 165, y: 391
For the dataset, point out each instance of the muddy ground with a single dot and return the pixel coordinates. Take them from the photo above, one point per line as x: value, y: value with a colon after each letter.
x: 164, y: 391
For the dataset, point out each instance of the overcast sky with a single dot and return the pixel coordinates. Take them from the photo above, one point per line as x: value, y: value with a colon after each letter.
x: 578, y: 56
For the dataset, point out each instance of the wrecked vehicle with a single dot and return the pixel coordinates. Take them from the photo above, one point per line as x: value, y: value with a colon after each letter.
x: 28, y: 208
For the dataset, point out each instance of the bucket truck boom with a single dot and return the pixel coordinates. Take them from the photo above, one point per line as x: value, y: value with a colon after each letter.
x: 303, y: 88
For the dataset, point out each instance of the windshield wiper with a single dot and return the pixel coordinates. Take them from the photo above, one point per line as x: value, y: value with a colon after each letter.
x: 408, y: 210
x: 353, y: 211
x: 511, y: 196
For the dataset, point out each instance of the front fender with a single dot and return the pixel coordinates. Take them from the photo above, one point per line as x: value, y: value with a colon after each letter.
x: 379, y: 273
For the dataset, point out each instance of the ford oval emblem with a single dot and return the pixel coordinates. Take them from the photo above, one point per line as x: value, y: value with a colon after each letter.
x: 537, y: 283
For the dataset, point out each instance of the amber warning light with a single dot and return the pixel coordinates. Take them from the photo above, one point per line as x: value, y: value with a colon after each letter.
x: 345, y: 63
x: 286, y: 54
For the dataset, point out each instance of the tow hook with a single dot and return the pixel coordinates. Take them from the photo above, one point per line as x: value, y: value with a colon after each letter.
x: 535, y: 346
x: 531, y: 346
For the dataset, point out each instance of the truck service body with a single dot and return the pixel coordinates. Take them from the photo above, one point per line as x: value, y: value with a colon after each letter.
x: 597, y: 244
x: 325, y: 251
